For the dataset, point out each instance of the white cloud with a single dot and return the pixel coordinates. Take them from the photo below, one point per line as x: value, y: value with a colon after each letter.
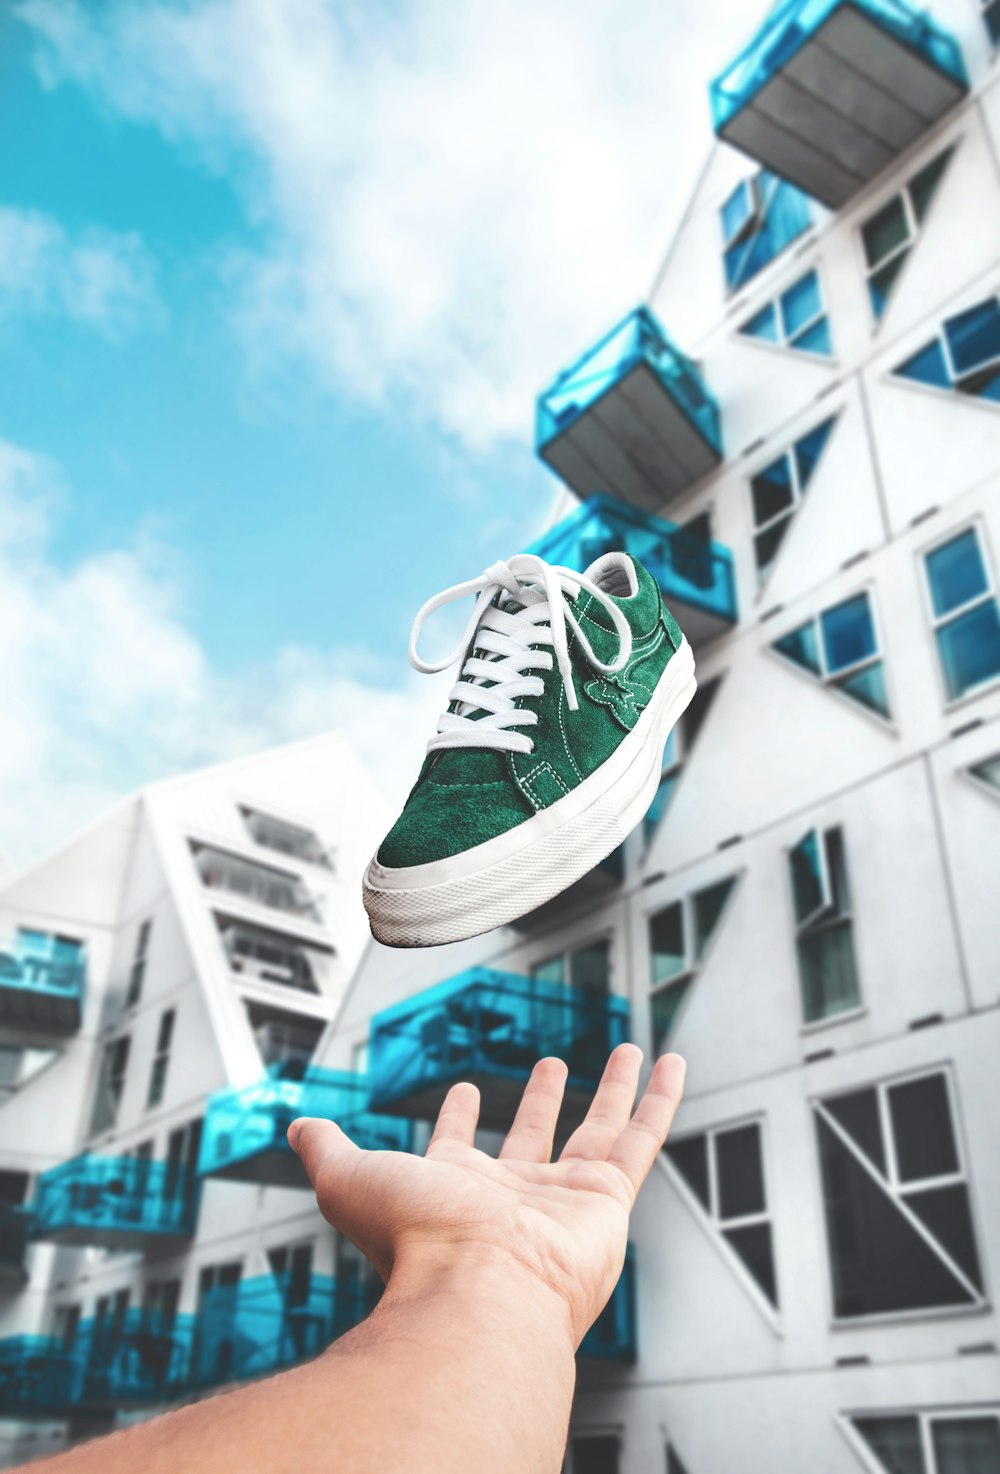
x: 105, y: 686
x: 454, y: 198
x: 103, y: 279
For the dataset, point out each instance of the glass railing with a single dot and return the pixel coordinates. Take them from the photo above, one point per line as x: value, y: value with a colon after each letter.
x: 484, y: 1022
x: 222, y: 871
x: 41, y: 984
x: 245, y: 1124
x: 612, y: 1337
x: 690, y: 570
x: 38, y: 1377
x: 95, y: 1198
x: 639, y: 339
x: 143, y: 1357
x: 790, y: 26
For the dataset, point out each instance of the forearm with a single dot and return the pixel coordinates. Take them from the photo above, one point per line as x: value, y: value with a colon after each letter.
x: 463, y: 1366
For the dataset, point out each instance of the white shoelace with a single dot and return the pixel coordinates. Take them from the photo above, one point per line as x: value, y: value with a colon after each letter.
x: 501, y: 644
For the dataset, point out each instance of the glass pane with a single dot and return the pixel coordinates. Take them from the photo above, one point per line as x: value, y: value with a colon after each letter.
x: 596, y: 1455
x: 551, y: 971
x: 740, y: 1172
x: 815, y: 339
x: 771, y: 490
x: 848, y: 633
x: 763, y: 324
x: 945, y: 1211
x: 879, y: 1262
x: 690, y: 1157
x: 988, y: 772
x: 810, y: 882
x: 664, y: 1008
x: 753, y: 1245
x: 881, y: 282
x: 737, y: 210
x: 973, y: 337
x: 858, y: 1114
x: 923, y: 185
x: 590, y: 967
x: 708, y: 907
x: 766, y: 544
x: 868, y: 687
x: 991, y: 18
x: 927, y: 366
x: 956, y: 572
x: 966, y: 1445
x: 666, y: 943
x: 922, y: 1128
x: 801, y: 303
x: 801, y: 646
x: 828, y: 971
x: 895, y: 1442
x: 808, y: 451
x: 970, y: 648
x: 885, y: 231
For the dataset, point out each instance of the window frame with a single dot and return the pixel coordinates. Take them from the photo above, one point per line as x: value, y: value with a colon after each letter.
x: 824, y: 919
x: 937, y: 622
x: 830, y: 680
x: 140, y: 958
x: 926, y: 1417
x: 981, y: 1298
x: 566, y: 953
x: 763, y: 576
x: 968, y: 770
x: 784, y: 343
x: 693, y: 964
x: 914, y: 226
x: 160, y: 1066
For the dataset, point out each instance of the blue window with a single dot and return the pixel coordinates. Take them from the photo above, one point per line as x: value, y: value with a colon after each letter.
x: 777, y: 490
x: 761, y: 217
x: 964, y: 357
x: 824, y: 933
x: 964, y: 612
x: 840, y: 646
x: 796, y: 319
x: 889, y: 235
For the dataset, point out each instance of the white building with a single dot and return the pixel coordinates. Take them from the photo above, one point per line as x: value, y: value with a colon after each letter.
x: 809, y: 914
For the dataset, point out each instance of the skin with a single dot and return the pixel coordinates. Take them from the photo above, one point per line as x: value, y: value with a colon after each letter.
x: 494, y: 1267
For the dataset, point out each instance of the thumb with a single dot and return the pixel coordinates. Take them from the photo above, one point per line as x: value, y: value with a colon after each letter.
x: 318, y: 1143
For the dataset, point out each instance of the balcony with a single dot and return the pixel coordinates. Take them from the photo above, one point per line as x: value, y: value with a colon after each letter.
x: 139, y: 1360
x: 695, y: 575
x: 829, y: 92
x: 42, y: 980
x: 113, y: 1203
x: 262, y: 885
x: 631, y: 417
x: 490, y: 1027
x: 39, y: 1377
x: 612, y: 1337
x: 287, y: 838
x: 244, y: 1137
x: 261, y: 1325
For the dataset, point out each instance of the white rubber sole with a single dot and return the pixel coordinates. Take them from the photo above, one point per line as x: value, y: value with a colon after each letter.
x: 496, y: 882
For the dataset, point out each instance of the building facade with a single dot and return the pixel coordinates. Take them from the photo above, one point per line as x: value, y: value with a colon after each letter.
x: 808, y: 914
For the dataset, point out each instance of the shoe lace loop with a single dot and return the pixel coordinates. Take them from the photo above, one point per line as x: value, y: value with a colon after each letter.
x: 499, y: 640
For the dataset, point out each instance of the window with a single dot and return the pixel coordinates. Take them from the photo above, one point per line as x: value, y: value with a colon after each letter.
x: 110, y: 1084
x: 260, y: 884
x: 888, y: 236
x: 286, y: 1041
x: 841, y: 648
x: 161, y: 1058
x: 823, y: 925
x: 898, y: 1218
x: 964, y: 613
x: 160, y: 1302
x: 674, y: 1465
x: 19, y: 1064
x: 66, y: 1324
x: 964, y: 357
x: 987, y: 772
x: 268, y: 956
x: 796, y: 319
x: 593, y: 1453
x: 183, y: 1147
x: 761, y: 217
x: 138, y: 969
x: 724, y: 1170
x: 359, y: 1057
x: 941, y: 1442
x: 678, y: 939
x: 677, y: 751
x: 218, y: 1301
x: 777, y: 490
x: 285, y: 837
x: 588, y: 968
x: 991, y: 19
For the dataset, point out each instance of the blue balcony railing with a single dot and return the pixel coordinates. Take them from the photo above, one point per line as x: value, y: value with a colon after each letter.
x: 612, y: 1337
x: 828, y: 92
x: 631, y: 417
x: 140, y: 1359
x: 113, y: 1202
x: 695, y: 575
x: 245, y: 1132
x: 489, y: 1027
x: 39, y: 1377
x: 42, y: 982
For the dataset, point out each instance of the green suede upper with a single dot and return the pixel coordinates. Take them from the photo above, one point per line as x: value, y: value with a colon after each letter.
x: 465, y: 796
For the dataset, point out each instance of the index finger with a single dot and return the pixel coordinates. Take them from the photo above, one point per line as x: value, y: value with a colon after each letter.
x: 636, y: 1149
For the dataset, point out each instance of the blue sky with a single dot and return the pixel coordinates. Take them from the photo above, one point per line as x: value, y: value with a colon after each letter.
x: 279, y: 280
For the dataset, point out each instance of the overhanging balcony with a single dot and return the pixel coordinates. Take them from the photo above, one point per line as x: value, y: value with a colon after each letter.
x: 490, y: 1027
x: 39, y: 1377
x: 113, y: 1203
x: 632, y: 417
x: 245, y: 1133
x: 612, y: 1337
x: 829, y: 92
x: 141, y: 1359
x: 42, y: 982
x: 695, y: 575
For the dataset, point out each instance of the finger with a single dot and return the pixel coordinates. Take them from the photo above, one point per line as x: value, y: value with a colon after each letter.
x: 530, y: 1138
x: 457, y: 1117
x: 635, y: 1150
x: 319, y: 1142
x: 609, y: 1109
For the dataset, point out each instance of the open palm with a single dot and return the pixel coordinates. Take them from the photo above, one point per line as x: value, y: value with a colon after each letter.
x: 564, y: 1221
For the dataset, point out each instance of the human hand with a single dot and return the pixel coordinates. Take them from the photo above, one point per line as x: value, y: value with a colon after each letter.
x: 557, y: 1228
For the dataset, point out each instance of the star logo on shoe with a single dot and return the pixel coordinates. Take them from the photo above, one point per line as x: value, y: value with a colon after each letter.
x: 624, y: 697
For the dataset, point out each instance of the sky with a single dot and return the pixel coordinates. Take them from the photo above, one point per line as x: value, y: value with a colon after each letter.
x: 280, y: 281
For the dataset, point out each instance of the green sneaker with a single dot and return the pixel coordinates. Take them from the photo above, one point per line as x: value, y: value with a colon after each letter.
x: 549, y: 753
